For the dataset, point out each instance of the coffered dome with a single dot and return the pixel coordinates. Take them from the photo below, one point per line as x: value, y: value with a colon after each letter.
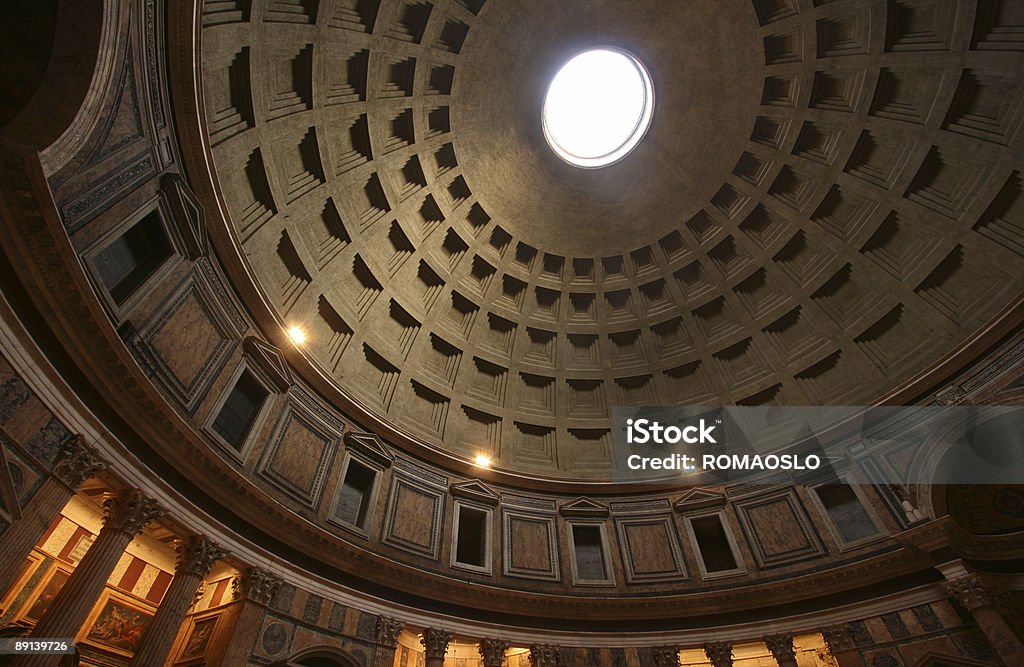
x: 818, y: 214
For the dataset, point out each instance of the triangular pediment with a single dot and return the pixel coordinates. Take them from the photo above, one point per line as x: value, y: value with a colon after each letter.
x: 371, y: 446
x: 583, y: 507
x: 698, y: 498
x: 270, y: 360
x: 188, y: 217
x: 475, y: 490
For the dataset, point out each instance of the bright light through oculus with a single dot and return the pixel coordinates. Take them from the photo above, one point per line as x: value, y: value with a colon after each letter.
x: 598, y: 108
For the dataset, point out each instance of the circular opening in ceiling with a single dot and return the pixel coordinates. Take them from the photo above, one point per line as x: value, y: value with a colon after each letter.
x: 598, y: 107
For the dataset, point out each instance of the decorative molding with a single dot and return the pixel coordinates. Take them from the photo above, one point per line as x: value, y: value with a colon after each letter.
x: 371, y: 446
x: 77, y: 462
x: 256, y: 585
x: 129, y: 510
x: 388, y: 630
x: 584, y: 507
x: 270, y: 360
x: 475, y: 490
x: 513, y: 566
x: 633, y: 557
x: 187, y: 215
x: 698, y: 498
x: 197, y: 554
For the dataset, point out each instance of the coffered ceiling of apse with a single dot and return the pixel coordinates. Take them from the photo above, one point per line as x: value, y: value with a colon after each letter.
x: 828, y: 202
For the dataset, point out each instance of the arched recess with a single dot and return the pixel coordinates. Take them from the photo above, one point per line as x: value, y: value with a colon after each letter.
x: 970, y: 474
x: 321, y: 656
x: 59, y: 98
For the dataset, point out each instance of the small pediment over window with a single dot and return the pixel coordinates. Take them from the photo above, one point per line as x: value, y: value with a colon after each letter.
x: 584, y: 507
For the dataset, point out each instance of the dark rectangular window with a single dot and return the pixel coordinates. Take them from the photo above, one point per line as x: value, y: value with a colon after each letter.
x: 240, y: 410
x: 126, y: 263
x: 589, y: 551
x: 356, y: 489
x: 471, y: 542
x: 713, y: 543
x: 847, y: 513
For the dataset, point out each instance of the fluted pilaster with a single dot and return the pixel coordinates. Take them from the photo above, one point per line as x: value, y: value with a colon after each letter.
x: 388, y: 630
x: 253, y: 591
x: 544, y: 655
x: 76, y: 462
x: 492, y: 651
x: 666, y: 656
x: 987, y: 605
x: 781, y: 648
x: 435, y: 643
x: 125, y: 515
x: 719, y: 653
x: 196, y: 555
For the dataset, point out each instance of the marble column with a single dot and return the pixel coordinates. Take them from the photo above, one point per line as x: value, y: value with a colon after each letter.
x: 492, y: 651
x: 196, y: 555
x: 719, y: 653
x: 544, y: 655
x: 125, y: 515
x: 666, y: 656
x: 254, y: 589
x: 435, y: 642
x: 986, y: 604
x: 781, y: 648
x: 839, y: 641
x: 387, y: 641
x: 76, y: 462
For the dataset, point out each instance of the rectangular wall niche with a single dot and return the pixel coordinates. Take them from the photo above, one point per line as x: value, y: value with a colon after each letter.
x: 240, y: 409
x: 714, y: 545
x: 131, y: 258
x: 354, y: 498
x: 851, y: 520
x: 472, y: 546
x: 589, y: 554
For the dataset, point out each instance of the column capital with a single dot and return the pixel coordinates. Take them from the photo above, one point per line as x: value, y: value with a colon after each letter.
x: 77, y: 462
x: 971, y: 592
x: 781, y: 648
x: 838, y: 638
x: 435, y: 642
x: 129, y: 511
x: 719, y: 653
x: 197, y: 554
x: 666, y: 656
x: 544, y: 655
x: 493, y: 651
x: 387, y: 630
x: 256, y: 585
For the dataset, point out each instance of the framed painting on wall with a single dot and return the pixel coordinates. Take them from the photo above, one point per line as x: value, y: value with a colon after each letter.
x: 198, y: 639
x: 47, y: 593
x: 117, y: 623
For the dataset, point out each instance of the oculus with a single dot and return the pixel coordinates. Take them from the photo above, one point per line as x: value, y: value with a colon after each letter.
x: 598, y: 107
